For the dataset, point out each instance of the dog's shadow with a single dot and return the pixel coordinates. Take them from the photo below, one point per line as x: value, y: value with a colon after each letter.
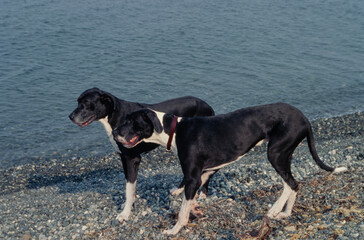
x: 154, y: 189
x: 109, y: 182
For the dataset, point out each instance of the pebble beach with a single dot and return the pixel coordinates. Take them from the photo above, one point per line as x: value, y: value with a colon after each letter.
x: 80, y: 198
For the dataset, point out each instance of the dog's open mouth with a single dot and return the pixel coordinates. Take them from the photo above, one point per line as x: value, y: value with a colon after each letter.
x: 90, y: 120
x: 131, y: 143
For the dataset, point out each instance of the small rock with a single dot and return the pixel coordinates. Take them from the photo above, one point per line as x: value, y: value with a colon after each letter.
x: 290, y: 228
x: 333, y: 152
x: 362, y: 227
x: 75, y: 236
x: 26, y: 236
x: 355, y: 235
x: 144, y: 213
x: 42, y: 237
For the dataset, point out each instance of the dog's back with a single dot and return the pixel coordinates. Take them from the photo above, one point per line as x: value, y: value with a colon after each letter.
x: 187, y: 106
x: 226, y: 137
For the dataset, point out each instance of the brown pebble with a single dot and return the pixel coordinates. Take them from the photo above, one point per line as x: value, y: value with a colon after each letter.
x: 26, y: 236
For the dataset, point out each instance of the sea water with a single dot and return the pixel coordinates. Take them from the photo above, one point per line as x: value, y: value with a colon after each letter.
x: 232, y: 54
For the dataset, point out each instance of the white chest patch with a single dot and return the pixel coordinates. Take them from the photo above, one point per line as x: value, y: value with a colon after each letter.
x: 162, y: 138
x: 108, y: 129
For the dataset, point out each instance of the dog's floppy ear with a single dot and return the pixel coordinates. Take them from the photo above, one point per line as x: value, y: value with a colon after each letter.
x: 108, y: 97
x: 154, y: 119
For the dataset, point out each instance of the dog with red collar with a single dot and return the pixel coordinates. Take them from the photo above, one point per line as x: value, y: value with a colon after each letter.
x: 97, y: 105
x: 206, y: 144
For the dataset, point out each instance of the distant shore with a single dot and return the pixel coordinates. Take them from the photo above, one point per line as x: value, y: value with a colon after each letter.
x: 80, y: 198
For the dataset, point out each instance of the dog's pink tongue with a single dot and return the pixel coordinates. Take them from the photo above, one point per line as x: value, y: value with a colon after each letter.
x: 133, y: 139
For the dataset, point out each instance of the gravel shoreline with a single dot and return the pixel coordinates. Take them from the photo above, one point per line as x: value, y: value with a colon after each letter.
x: 80, y: 198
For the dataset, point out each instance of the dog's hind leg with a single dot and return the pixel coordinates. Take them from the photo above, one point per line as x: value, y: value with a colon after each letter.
x: 287, y: 198
x: 205, y: 178
x: 205, y: 186
x: 179, y: 190
x: 280, y: 158
x: 289, y: 205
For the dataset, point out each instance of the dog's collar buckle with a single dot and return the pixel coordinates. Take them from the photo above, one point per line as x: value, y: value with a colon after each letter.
x: 171, y: 132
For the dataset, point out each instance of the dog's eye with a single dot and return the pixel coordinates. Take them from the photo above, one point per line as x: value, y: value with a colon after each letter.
x: 87, y: 105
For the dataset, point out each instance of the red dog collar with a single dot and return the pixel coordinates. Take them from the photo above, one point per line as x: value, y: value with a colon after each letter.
x: 171, y: 132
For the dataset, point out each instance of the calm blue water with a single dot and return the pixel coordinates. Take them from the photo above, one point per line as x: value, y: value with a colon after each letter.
x: 232, y: 54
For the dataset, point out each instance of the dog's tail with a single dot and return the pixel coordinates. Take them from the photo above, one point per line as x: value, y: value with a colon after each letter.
x: 321, y: 164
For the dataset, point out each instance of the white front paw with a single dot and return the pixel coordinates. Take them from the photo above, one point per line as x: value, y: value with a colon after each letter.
x: 123, y: 216
x: 175, y: 229
x: 170, y: 232
x: 281, y: 215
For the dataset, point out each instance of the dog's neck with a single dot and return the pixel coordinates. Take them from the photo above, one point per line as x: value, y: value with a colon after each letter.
x: 108, y: 129
x: 162, y: 138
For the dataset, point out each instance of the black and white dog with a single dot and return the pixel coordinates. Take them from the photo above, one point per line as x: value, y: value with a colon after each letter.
x: 97, y: 105
x: 206, y: 144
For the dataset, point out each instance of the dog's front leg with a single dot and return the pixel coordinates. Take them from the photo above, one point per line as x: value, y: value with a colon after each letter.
x: 130, y: 198
x: 130, y: 166
x: 192, y: 184
x: 183, y: 216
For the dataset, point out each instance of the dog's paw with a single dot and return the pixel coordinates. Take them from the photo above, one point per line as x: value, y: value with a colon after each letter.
x: 170, y: 232
x: 281, y: 215
x: 278, y: 216
x: 179, y: 225
x: 123, y: 216
x: 272, y: 214
x: 176, y: 191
